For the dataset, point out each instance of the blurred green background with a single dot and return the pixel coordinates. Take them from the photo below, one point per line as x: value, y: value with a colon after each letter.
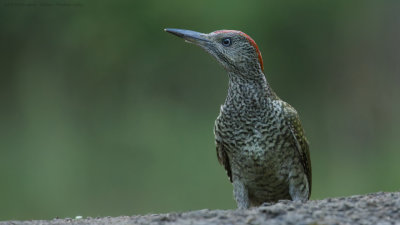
x: 105, y: 114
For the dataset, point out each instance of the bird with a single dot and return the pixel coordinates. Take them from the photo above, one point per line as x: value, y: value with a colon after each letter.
x: 259, y: 137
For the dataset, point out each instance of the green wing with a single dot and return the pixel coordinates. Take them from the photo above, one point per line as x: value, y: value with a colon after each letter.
x: 223, y: 159
x: 299, y: 140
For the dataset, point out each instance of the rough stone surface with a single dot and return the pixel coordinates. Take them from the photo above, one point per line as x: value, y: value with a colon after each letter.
x: 377, y: 208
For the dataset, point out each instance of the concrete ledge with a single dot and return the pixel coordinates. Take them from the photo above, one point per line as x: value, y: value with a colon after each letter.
x: 377, y: 208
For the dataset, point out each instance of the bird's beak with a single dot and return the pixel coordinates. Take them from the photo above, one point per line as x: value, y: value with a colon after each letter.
x: 189, y: 36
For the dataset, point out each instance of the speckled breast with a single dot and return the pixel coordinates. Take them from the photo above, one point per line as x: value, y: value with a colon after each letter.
x: 258, y: 149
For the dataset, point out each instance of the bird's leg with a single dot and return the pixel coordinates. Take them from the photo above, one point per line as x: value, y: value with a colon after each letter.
x: 241, y: 194
x: 298, y: 186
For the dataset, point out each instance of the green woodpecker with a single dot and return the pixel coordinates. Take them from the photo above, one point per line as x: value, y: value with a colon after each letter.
x: 259, y: 137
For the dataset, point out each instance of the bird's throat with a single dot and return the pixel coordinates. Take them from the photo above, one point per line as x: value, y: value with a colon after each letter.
x: 247, y: 91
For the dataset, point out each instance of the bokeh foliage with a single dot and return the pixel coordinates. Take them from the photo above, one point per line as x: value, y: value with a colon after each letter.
x: 104, y: 114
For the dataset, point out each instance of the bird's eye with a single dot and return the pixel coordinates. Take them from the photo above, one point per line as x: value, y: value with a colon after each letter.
x: 226, y: 42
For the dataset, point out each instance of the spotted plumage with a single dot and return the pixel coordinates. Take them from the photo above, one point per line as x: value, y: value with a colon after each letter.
x: 260, y: 140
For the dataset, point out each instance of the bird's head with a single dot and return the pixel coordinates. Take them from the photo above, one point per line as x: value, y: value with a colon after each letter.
x: 235, y: 50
